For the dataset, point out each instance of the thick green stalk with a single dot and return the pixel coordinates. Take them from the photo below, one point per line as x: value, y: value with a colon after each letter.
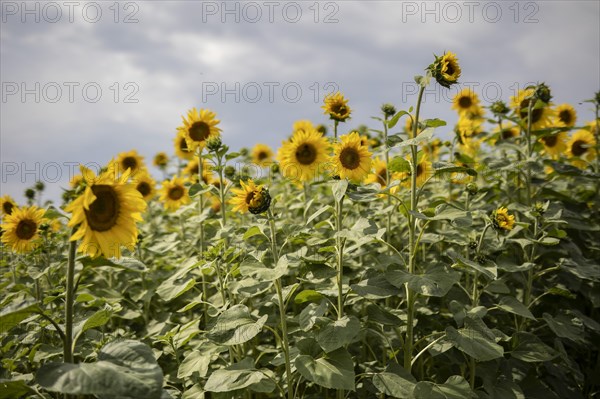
x: 339, y: 205
x: 70, y: 291
x: 388, y: 222
x: 200, y: 200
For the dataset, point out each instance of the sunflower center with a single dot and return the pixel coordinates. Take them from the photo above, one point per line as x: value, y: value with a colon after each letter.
x: 250, y: 197
x: 536, y: 114
x: 199, y: 131
x: 350, y: 158
x: 381, y: 176
x: 450, y: 68
x: 419, y: 170
x: 175, y: 193
x: 26, y: 229
x: 183, y: 145
x: 306, y: 154
x: 7, y: 207
x: 550, y: 141
x: 507, y: 133
x: 465, y: 102
x: 129, y: 163
x: 579, y: 148
x: 262, y: 155
x: 104, y: 211
x: 339, y: 109
x: 565, y: 117
x: 144, y: 188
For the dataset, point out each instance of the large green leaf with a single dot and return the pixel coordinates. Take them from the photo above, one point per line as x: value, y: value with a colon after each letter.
x: 13, y: 389
x: 125, y: 369
x: 455, y: 387
x: 395, y: 382
x: 375, y: 287
x: 253, y: 268
x: 334, y: 370
x: 476, y: 340
x: 435, y: 282
x: 235, y: 326
x: 239, y: 376
x: 14, y: 314
x: 338, y: 333
x: 531, y: 349
x: 566, y: 326
x: 512, y: 305
x: 195, y: 361
x: 487, y: 268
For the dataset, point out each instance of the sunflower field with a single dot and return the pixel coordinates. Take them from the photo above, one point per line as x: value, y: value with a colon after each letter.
x: 378, y: 263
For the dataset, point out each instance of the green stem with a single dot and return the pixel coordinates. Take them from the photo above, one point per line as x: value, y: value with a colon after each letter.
x: 529, y: 152
x: 200, y: 200
x: 340, y: 256
x: 388, y: 222
x: 282, y: 310
x: 221, y: 166
x: 70, y: 287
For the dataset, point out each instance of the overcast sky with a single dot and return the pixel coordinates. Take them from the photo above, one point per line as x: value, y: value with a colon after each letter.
x: 83, y: 81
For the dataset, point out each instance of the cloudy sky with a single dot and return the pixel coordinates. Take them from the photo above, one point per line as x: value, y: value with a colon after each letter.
x: 83, y: 81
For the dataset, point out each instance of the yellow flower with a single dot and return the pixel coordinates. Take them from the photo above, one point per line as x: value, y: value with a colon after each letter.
x: 581, y: 146
x: 130, y: 160
x: 304, y: 125
x: 174, y: 193
x: 106, y: 213
x: 251, y: 197
x: 161, y: 160
x: 540, y: 116
x: 181, y: 147
x: 75, y: 181
x: 7, y: 205
x: 303, y: 156
x: 424, y: 172
x: 445, y: 69
x: 262, y: 155
x: 198, y: 127
x: 466, y: 102
x: 336, y: 106
x: 566, y: 114
x: 21, y: 227
x: 469, y: 127
x: 145, y: 184
x: 379, y: 175
x: 554, y: 144
x: 502, y: 220
x: 192, y: 171
x: 432, y: 149
x: 351, y: 159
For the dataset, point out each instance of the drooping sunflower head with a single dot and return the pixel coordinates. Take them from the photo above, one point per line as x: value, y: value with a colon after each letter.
x: 304, y: 156
x: 351, y: 159
x: 554, y: 144
x: 445, y: 69
x: 181, y: 147
x: 502, y: 220
x: 566, y: 115
x: 21, y: 228
x: 198, y: 127
x: 7, y: 205
x: 541, y: 113
x: 192, y: 171
x: 336, y: 106
x: 161, y: 160
x: 130, y: 160
x: 262, y: 155
x: 466, y: 102
x: 251, y: 198
x: 106, y: 213
x: 174, y: 193
x: 581, y: 146
x: 145, y: 184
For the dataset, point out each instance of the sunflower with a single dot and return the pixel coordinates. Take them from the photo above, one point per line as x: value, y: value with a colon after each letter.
x: 540, y: 116
x: 466, y: 102
x: 161, y: 160
x: 251, y: 197
x: 145, y: 184
x: 432, y: 149
x: 380, y: 173
x: 7, y: 205
x: 130, y: 160
x: 198, y: 127
x: 470, y: 146
x: 303, y: 124
x: 303, y: 155
x: 424, y: 172
x: 469, y: 127
x: 502, y: 220
x: 75, y: 181
x: 106, y: 212
x: 21, y: 227
x: 181, y: 147
x: 566, y: 114
x: 262, y: 155
x: 581, y: 146
x: 192, y: 171
x: 554, y: 144
x: 174, y: 193
x: 351, y: 159
x: 336, y: 106
x: 508, y: 132
x: 445, y: 69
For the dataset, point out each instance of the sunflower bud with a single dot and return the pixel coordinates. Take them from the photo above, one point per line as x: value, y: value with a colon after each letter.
x: 445, y: 69
x: 260, y: 202
x: 161, y: 160
x: 214, y: 144
x: 499, y: 108
x: 542, y: 93
x: 322, y: 129
x: 539, y: 208
x: 229, y: 171
x: 597, y: 98
x: 388, y: 110
x: 473, y: 244
x: 244, y: 152
x: 30, y: 194
x: 472, y: 188
x: 275, y: 168
x: 39, y: 186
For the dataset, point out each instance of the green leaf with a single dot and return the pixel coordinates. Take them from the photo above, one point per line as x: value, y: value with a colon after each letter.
x: 308, y: 296
x: 394, y: 120
x: 395, y: 382
x: 318, y: 213
x: 13, y: 389
x: 566, y: 326
x: 338, y: 333
x: 423, y: 137
x: 339, y: 189
x: 239, y: 376
x: 380, y: 315
x: 125, y: 369
x: 399, y: 164
x: 195, y: 361
x: 433, y: 123
x: 475, y: 340
x: 375, y: 288
x: 253, y: 268
x: 173, y: 287
x: 235, y: 326
x: 14, y: 314
x: 435, y: 282
x: 253, y: 231
x: 512, y: 305
x: 310, y: 314
x: 531, y: 349
x: 333, y: 370
x: 442, y: 168
x: 455, y: 387
x: 488, y: 269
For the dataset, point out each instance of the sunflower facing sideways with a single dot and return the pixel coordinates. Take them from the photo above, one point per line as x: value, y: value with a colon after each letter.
x: 251, y: 198
x: 192, y: 171
x: 424, y: 172
x: 21, y: 228
x: 130, y: 160
x: 541, y: 116
x: 7, y: 205
x: 304, y: 156
x: 106, y: 213
x: 350, y: 158
x: 262, y: 155
x: 198, y: 127
x: 336, y: 106
x: 581, y: 147
x: 554, y: 144
x: 174, y: 193
x: 181, y: 147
